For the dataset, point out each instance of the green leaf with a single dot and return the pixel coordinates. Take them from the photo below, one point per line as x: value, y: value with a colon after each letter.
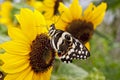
x: 112, y: 4
x: 95, y: 75
x: 69, y: 72
x: 3, y: 29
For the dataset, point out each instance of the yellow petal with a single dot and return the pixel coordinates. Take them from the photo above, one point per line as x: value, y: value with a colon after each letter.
x: 18, y: 76
x: 39, y: 18
x: 48, y: 8
x: 46, y: 75
x: 40, y: 22
x: 95, y: 14
x: 76, y: 9
x: 43, y: 76
x: 88, y: 45
x: 61, y: 25
x: 53, y: 20
x: 27, y: 22
x: 37, y: 5
x: 11, y: 76
x: 5, y: 57
x: 29, y: 76
x: 99, y: 13
x: 49, y: 3
x: 14, y: 63
x: 5, y: 9
x: 65, y: 13
x: 17, y: 35
x: 88, y: 12
x: 48, y: 11
x: 98, y: 20
x: 16, y: 48
x: 5, y: 21
x: 38, y: 76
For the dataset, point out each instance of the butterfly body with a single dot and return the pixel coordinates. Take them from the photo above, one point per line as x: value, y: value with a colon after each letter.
x: 67, y: 47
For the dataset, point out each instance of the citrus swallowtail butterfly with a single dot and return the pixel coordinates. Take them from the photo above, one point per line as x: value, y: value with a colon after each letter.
x: 67, y: 47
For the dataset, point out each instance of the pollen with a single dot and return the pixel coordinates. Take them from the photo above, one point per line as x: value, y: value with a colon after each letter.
x: 42, y: 55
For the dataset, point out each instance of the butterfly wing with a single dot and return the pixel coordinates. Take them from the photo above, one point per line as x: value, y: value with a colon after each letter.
x: 67, y: 47
x: 78, y: 51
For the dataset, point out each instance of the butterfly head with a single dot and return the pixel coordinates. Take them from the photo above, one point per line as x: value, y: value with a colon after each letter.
x: 59, y: 53
x: 52, y: 30
x: 52, y: 26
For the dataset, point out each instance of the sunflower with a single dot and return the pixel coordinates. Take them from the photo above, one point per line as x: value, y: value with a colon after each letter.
x: 81, y: 25
x: 28, y: 55
x: 5, y: 10
x: 50, y: 8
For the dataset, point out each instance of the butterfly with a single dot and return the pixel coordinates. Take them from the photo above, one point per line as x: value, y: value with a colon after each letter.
x: 67, y: 46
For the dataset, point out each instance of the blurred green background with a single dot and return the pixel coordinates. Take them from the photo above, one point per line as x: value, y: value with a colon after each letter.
x: 104, y: 63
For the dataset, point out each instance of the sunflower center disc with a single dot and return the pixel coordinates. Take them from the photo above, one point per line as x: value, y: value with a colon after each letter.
x: 81, y: 30
x: 42, y: 55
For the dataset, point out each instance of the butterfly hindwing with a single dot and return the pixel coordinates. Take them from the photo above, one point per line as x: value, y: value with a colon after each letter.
x: 78, y: 51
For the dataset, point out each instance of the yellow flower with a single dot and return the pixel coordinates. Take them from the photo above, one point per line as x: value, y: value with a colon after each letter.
x: 28, y: 55
x: 6, y: 7
x: 35, y: 4
x: 7, y: 14
x: 81, y: 25
x: 50, y: 8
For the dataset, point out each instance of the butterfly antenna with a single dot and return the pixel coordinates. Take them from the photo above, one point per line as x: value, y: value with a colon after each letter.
x: 47, y: 27
x: 58, y: 17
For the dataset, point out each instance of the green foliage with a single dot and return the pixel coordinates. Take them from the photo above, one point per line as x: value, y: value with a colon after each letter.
x: 63, y: 71
x: 95, y: 75
x: 3, y: 30
x: 3, y: 33
x: 113, y: 4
